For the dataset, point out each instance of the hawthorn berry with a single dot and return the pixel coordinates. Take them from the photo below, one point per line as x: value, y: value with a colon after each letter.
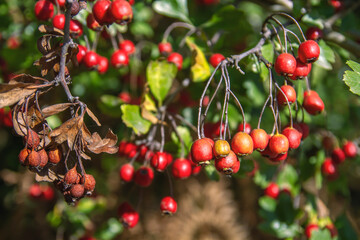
x: 278, y: 144
x: 101, y: 11
x: 350, y: 149
x: 23, y: 156
x: 119, y: 58
x: 159, y: 161
x: 201, y: 151
x: 127, y: 172
x: 59, y: 21
x: 293, y: 136
x: 314, y: 33
x: 177, y: 59
x: 168, y: 205
x: 128, y: 46
x: 121, y: 11
x: 81, y: 54
x: 333, y: 231
x: 215, y: 59
x: 309, y: 228
x: 301, y: 70
x: 47, y: 193
x: 54, y: 155
x: 338, y: 155
x: 309, y: 51
x: 35, y: 191
x: 272, y: 190
x: 43, y: 158
x: 285, y: 64
x: 278, y: 158
x: 72, y: 176
x: 165, y: 48
x: 260, y: 139
x: 76, y: 28
x: 242, y: 144
x: 170, y: 159
x: 89, y: 182
x: 103, y: 64
x: 130, y: 218
x: 77, y: 191
x: 288, y: 92
x: 313, y: 103
x: 226, y: 164
x: 181, y: 168
x: 92, y: 23
x: 144, y: 176
x: 303, y: 128
x: 32, y: 139
x: 221, y: 148
x: 44, y: 10
x: 91, y: 59
x: 328, y: 168
x: 247, y: 128
x: 60, y: 2
x: 34, y: 159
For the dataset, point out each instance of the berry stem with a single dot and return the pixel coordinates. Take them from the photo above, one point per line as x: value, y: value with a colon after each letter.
x: 176, y: 25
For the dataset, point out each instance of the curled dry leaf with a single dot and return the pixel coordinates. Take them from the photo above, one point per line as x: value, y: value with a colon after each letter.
x: 93, y: 117
x: 51, y: 174
x: 108, y: 144
x: 44, y: 44
x: 55, y: 109
x: 51, y: 30
x: 68, y: 131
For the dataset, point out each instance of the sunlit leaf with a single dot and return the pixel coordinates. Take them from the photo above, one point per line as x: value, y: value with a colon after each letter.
x: 172, y: 8
x: 200, y: 69
x: 132, y: 119
x: 352, y: 78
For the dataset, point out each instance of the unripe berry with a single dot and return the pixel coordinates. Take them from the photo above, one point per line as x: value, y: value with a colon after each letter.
x: 77, y: 191
x: 181, y: 168
x: 144, y: 176
x: 165, y: 48
x: 285, y: 64
x: 89, y: 182
x: 159, y: 161
x: 227, y: 164
x: 177, y: 59
x: 309, y: 51
x: 260, y: 139
x: 119, y: 58
x: 121, y: 11
x: 278, y: 144
x: 32, y: 139
x: 34, y: 159
x: 287, y: 91
x: 242, y: 144
x: 201, y: 151
x: 43, y: 158
x: 127, y: 172
x: 350, y: 149
x: 23, y: 155
x: 338, y: 156
x: 44, y: 10
x: 128, y: 46
x: 221, y: 148
x: 54, y: 155
x: 272, y: 190
x: 215, y: 59
x: 168, y: 206
x: 293, y: 136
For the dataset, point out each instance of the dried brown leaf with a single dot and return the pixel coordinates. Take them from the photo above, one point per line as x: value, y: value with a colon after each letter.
x: 26, y: 78
x: 51, y: 30
x: 44, y: 44
x: 68, y: 131
x: 93, y: 117
x: 55, y: 109
x: 108, y: 144
x: 51, y: 174
x: 10, y: 97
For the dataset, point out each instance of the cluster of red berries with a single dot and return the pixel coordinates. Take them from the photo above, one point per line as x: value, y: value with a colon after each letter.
x: 338, y: 156
x: 273, y: 190
x: 41, y: 192
x: 314, y: 227
x: 165, y: 49
x: 5, y: 117
x: 35, y: 156
x: 74, y: 186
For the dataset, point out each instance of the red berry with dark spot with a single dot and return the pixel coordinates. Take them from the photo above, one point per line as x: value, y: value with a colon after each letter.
x: 91, y: 59
x: 165, y: 48
x: 128, y: 46
x: 101, y: 11
x: 159, y: 161
x: 181, y: 168
x: 121, y: 11
x: 144, y: 176
x: 287, y: 92
x: 201, y: 151
x: 278, y: 144
x: 242, y: 144
x: 59, y: 21
x: 177, y: 59
x: 227, y: 164
x: 130, y: 219
x: 216, y: 58
x: 293, y: 136
x: 76, y: 28
x: 350, y: 149
x: 103, y: 64
x: 260, y: 139
x: 119, y: 58
x: 127, y: 172
x: 168, y: 206
x: 285, y: 64
x: 301, y: 70
x: 314, y: 33
x: 272, y: 190
x: 247, y: 128
x: 309, y: 228
x: 44, y: 10
x: 313, y: 104
x: 309, y: 51
x: 328, y: 168
x: 338, y: 156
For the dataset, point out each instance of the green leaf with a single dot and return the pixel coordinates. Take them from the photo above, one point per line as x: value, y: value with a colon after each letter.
x: 109, y: 230
x: 254, y: 93
x: 267, y: 203
x: 142, y: 29
x: 186, y: 137
x: 352, y: 78
x: 313, y: 19
x: 173, y: 8
x: 132, y: 119
x: 345, y: 228
x: 160, y: 75
x: 200, y: 69
x: 326, y: 57
x: 288, y: 178
x: 268, y: 52
x: 320, y: 235
x: 211, y: 172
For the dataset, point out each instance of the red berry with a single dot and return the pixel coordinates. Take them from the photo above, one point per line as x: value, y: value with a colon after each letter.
x: 201, y: 151
x: 76, y: 28
x: 132, y: 2
x: 309, y: 51
x: 287, y: 91
x: 333, y: 231
x: 314, y: 33
x: 103, y: 64
x: 309, y: 228
x: 59, y: 21
x: 35, y: 191
x: 247, y: 128
x: 169, y: 158
x: 127, y: 172
x: 47, y: 193
x: 81, y: 54
x: 195, y: 170
x: 168, y: 206
x: 92, y: 23
x: 89, y: 182
x: 119, y: 59
x: 272, y: 190
x: 337, y: 4
x: 101, y: 11
x: 285, y: 64
x: 91, y: 59
x: 121, y: 11
x: 60, y: 2
x: 181, y: 168
x: 177, y: 59
x: 278, y: 144
x: 44, y: 10
x: 165, y: 48
x: 144, y: 176
x: 304, y: 129
x: 216, y: 58
x: 338, y: 156
x: 226, y: 164
x: 350, y: 149
x: 123, y: 208
x: 313, y: 104
x: 130, y: 219
x: 126, y: 98
x: 279, y: 157
x: 301, y: 70
x: 129, y: 149
x: 260, y: 139
x: 293, y: 136
x: 159, y: 161
x: 328, y: 168
x: 128, y: 46
x: 242, y: 144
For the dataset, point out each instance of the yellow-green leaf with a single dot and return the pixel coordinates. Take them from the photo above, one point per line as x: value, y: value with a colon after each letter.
x: 200, y: 69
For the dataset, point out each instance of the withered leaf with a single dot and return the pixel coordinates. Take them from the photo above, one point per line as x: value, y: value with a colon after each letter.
x: 51, y: 30
x: 44, y: 44
x: 26, y: 78
x: 14, y: 95
x: 108, y: 144
x: 84, y: 156
x: 51, y: 174
x: 93, y: 117
x: 68, y: 131
x: 55, y: 109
